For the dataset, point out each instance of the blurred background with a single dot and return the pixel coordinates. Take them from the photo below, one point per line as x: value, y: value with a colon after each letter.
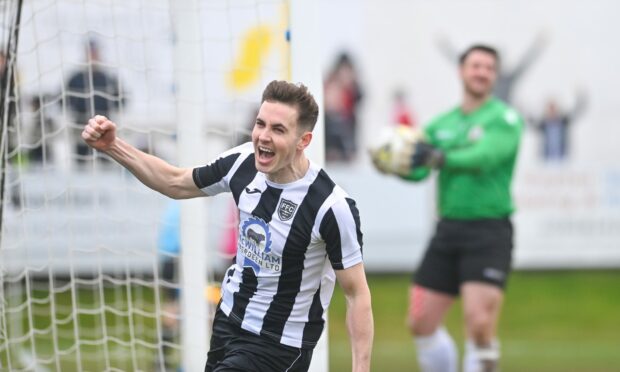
x: 89, y: 257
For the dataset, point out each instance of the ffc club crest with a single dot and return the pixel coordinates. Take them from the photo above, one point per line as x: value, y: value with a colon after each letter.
x: 286, y: 209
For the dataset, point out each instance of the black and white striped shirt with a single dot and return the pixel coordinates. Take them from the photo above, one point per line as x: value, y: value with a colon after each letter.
x: 291, y: 238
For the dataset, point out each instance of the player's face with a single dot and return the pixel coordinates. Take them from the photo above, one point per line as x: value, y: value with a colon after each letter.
x: 478, y: 72
x: 278, y: 141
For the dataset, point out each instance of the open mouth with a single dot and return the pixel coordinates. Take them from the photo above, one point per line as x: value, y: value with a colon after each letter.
x: 265, y: 153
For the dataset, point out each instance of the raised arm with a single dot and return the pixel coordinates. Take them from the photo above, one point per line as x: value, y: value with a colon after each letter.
x: 174, y: 182
x: 447, y: 49
x: 530, y: 56
x: 359, y: 315
x: 580, y: 105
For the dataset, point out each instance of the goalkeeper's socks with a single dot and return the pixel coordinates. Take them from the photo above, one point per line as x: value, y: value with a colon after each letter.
x: 436, y: 352
x: 481, y: 358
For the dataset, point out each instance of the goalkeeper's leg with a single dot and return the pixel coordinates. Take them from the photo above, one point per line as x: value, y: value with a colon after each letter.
x: 435, y: 347
x: 481, y: 308
x: 484, y: 269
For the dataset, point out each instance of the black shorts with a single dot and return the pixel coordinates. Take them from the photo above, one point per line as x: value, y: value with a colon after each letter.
x: 467, y: 250
x: 235, y: 349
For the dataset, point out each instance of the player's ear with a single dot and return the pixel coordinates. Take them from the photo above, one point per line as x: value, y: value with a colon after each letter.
x: 304, y: 141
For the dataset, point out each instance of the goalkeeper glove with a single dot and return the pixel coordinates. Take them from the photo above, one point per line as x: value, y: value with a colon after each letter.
x: 427, y: 155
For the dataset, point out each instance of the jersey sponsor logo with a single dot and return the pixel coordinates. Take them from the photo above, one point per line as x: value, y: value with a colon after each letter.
x: 444, y: 135
x: 286, y: 209
x: 255, y: 246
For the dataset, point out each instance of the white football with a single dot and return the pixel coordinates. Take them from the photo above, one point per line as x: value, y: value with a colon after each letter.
x: 392, y: 150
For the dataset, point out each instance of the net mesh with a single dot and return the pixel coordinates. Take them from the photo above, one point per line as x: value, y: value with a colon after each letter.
x: 87, y: 252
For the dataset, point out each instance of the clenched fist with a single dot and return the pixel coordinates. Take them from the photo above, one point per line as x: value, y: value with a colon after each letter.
x: 99, y: 133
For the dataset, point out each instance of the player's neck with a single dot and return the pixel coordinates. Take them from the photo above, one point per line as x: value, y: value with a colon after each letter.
x: 293, y: 172
x: 472, y: 102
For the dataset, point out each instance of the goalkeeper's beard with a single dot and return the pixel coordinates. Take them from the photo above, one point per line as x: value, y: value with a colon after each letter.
x: 477, y: 94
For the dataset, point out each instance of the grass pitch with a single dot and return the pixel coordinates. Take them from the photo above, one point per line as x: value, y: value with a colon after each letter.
x: 551, y: 322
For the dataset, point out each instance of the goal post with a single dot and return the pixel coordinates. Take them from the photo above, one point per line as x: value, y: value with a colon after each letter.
x: 188, y: 61
x: 305, y: 67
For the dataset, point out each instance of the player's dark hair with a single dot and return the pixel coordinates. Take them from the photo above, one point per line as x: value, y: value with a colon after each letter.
x: 480, y: 48
x: 296, y: 95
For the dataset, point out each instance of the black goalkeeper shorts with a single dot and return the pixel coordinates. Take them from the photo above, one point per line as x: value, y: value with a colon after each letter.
x: 464, y: 251
x: 234, y: 349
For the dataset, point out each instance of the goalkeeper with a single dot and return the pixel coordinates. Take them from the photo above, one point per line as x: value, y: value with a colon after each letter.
x: 474, y: 147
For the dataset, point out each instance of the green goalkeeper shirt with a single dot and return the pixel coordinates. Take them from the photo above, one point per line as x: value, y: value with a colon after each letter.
x: 480, y: 150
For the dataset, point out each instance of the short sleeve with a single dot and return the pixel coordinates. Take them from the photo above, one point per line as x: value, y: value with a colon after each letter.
x: 214, y: 177
x: 341, y: 231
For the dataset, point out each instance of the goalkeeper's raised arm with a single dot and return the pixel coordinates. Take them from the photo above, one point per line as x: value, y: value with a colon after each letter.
x: 174, y: 182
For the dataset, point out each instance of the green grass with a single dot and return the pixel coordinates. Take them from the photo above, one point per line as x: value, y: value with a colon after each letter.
x: 552, y: 321
x: 96, y: 337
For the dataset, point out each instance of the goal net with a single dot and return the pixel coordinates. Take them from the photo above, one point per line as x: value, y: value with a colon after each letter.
x: 89, y: 257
